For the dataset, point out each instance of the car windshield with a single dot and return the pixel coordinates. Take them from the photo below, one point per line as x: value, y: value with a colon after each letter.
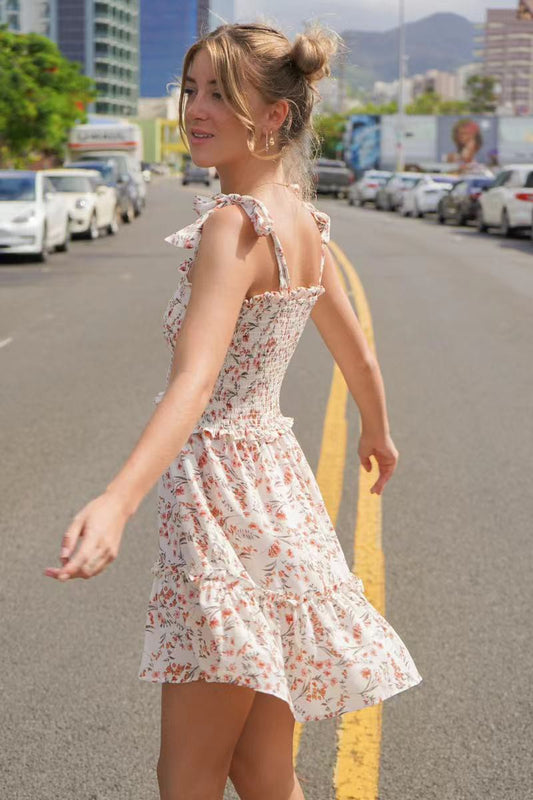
x: 17, y: 188
x: 408, y: 181
x: 106, y: 170
x: 71, y: 183
x: 446, y: 179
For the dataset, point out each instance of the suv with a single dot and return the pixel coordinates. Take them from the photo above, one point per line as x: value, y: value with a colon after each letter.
x: 332, y: 176
x: 194, y: 174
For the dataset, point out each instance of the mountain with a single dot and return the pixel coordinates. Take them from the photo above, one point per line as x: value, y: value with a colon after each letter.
x: 440, y: 41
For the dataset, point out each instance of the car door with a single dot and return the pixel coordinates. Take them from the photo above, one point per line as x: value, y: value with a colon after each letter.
x: 493, y: 201
x: 101, y: 201
x: 514, y: 204
x: 55, y: 212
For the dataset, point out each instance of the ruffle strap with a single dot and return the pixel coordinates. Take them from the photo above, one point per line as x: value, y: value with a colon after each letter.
x: 204, y: 205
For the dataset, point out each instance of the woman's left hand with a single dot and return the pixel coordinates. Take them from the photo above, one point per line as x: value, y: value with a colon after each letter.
x: 99, y: 525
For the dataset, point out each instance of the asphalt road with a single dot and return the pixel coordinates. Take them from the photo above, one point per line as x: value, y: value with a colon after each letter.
x: 82, y: 355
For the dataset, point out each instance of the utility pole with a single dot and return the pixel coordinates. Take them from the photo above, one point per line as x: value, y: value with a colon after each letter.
x: 400, y: 130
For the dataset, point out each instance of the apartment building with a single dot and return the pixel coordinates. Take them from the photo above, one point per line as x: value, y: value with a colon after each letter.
x: 507, y: 55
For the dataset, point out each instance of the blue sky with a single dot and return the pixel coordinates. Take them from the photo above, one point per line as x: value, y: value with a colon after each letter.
x: 359, y: 14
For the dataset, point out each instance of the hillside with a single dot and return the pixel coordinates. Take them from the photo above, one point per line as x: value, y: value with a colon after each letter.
x: 440, y: 41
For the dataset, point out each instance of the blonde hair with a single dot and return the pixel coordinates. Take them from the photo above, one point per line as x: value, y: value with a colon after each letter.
x: 277, y: 69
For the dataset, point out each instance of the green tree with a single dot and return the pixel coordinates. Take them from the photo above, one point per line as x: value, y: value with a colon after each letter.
x: 42, y: 95
x: 480, y: 91
x: 375, y: 108
x: 330, y: 128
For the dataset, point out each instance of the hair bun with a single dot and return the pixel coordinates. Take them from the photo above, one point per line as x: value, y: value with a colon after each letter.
x: 312, y: 52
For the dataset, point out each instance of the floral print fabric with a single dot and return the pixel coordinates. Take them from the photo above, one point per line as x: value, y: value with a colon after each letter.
x: 250, y: 585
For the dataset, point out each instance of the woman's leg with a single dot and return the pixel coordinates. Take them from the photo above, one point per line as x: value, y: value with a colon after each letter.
x: 262, y: 764
x: 201, y: 722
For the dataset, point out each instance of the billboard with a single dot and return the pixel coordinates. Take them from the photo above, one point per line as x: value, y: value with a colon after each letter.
x: 419, y: 138
x: 467, y: 141
x: 515, y: 140
x: 363, y: 142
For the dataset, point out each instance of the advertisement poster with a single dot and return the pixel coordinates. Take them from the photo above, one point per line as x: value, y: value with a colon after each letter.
x: 364, y: 135
x: 419, y: 140
x: 467, y: 141
x: 515, y: 140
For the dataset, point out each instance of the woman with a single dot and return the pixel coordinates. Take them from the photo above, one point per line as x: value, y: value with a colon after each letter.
x: 254, y: 617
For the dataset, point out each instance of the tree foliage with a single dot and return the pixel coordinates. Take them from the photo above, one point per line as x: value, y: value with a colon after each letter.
x: 42, y: 95
x: 480, y: 90
x: 330, y: 128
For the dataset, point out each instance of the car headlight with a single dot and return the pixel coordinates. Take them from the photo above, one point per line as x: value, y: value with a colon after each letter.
x: 81, y: 203
x: 25, y: 217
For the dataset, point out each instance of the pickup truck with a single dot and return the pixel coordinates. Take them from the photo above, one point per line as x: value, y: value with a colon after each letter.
x: 332, y: 176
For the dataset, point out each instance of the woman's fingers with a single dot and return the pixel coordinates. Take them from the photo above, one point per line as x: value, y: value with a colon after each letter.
x: 71, y: 536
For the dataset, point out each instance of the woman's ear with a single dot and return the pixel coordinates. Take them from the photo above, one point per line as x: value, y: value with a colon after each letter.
x: 278, y: 114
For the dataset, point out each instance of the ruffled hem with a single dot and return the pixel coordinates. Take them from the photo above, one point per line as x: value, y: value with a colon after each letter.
x: 324, y: 652
x: 243, y: 581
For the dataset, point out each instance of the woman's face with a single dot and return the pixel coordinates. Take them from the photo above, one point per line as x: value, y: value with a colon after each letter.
x: 206, y: 112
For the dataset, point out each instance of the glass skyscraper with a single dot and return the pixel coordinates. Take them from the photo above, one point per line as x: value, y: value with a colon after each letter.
x: 168, y: 29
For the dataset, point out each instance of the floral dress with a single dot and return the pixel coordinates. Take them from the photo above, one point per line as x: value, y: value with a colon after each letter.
x: 251, y: 585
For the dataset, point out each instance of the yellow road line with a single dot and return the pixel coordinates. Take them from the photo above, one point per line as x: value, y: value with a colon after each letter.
x: 330, y: 470
x: 359, y: 733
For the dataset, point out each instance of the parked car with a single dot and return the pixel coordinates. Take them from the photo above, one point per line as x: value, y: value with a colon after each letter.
x: 332, y: 176
x: 423, y: 196
x: 126, y: 165
x: 508, y: 203
x: 389, y: 196
x: 33, y: 216
x: 124, y: 185
x: 194, y: 174
x: 366, y: 188
x: 461, y: 204
x: 92, y: 205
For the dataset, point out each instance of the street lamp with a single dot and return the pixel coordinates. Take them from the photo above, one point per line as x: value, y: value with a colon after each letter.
x: 400, y: 155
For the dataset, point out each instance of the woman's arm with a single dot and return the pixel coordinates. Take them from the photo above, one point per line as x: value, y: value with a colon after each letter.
x: 339, y: 327
x: 222, y: 275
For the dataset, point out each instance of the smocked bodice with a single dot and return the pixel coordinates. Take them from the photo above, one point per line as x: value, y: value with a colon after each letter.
x: 246, y: 396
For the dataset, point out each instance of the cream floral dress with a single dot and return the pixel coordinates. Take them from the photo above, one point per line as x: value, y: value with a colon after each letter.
x: 251, y: 586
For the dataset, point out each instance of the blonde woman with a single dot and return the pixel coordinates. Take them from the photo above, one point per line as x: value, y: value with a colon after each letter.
x: 254, y: 618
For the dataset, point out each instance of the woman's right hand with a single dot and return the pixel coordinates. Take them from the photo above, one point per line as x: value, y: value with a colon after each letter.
x: 383, y: 449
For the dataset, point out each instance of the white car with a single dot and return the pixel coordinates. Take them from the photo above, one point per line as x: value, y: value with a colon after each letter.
x: 125, y: 164
x: 508, y: 204
x: 93, y: 206
x: 33, y: 216
x: 424, y: 196
x: 366, y: 188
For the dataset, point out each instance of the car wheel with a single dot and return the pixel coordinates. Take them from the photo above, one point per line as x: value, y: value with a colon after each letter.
x: 92, y: 231
x: 184, y: 183
x: 481, y: 224
x: 42, y: 255
x: 208, y: 183
x: 63, y: 247
x: 114, y: 225
x: 129, y: 215
x: 505, y: 226
x: 417, y: 212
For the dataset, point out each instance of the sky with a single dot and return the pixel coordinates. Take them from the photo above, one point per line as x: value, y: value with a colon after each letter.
x: 360, y: 14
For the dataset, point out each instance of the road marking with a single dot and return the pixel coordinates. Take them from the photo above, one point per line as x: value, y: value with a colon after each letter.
x: 331, y: 463
x: 4, y: 342
x: 359, y: 733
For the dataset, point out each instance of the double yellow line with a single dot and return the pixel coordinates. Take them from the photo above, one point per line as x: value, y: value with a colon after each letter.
x: 359, y: 733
